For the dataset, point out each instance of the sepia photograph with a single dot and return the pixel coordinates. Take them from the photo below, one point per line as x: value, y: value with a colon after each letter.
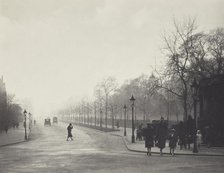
x: 111, y: 86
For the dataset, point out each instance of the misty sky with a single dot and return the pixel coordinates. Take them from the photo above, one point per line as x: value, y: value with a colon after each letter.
x: 55, y: 50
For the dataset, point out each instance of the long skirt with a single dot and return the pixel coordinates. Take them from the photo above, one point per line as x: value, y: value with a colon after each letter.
x: 69, y: 134
x: 161, y: 143
x: 149, y: 143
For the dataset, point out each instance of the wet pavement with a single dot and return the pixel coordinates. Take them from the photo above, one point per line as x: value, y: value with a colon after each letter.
x: 91, y: 151
x: 13, y: 136
x: 139, y: 146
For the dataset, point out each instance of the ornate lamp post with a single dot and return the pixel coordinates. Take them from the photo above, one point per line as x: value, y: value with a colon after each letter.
x: 30, y: 120
x: 95, y: 113
x: 132, y: 99
x: 125, y: 113
x: 195, y: 88
x: 101, y: 121
x: 88, y: 118
x: 25, y: 123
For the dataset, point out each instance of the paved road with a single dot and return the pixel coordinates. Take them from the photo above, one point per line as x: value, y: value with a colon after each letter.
x: 92, y: 151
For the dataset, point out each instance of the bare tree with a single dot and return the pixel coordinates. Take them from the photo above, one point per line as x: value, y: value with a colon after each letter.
x: 215, y: 42
x: 99, y: 99
x: 108, y: 86
x: 191, y: 55
x: 179, y: 45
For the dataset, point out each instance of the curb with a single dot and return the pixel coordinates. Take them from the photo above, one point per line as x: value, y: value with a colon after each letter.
x: 157, y: 153
x: 18, y: 142
x: 14, y: 143
x: 104, y: 130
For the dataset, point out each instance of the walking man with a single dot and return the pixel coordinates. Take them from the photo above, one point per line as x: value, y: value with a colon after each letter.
x: 161, y: 135
x: 172, y: 141
x: 149, y: 138
x: 69, y: 128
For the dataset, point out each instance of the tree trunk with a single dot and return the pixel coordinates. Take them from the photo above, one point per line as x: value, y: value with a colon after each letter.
x: 185, y: 105
x: 106, y: 110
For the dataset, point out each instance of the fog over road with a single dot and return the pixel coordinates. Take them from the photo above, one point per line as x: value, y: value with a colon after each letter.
x: 92, y: 151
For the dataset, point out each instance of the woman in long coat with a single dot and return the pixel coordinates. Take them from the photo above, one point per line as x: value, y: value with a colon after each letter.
x: 161, y: 135
x: 182, y: 135
x: 172, y: 141
x: 69, y: 128
x: 149, y: 135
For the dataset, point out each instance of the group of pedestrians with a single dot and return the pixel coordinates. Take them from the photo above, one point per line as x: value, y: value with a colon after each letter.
x: 157, y: 137
x: 157, y: 134
x: 186, y: 133
x: 182, y: 134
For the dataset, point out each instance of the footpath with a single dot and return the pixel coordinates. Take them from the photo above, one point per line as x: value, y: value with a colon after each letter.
x: 13, y: 136
x: 16, y: 136
x: 139, y: 146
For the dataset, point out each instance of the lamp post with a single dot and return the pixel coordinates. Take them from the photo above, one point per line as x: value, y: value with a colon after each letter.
x: 132, y: 99
x: 88, y: 118
x: 79, y: 115
x: 195, y: 87
x: 30, y: 120
x: 125, y: 113
x: 101, y: 112
x: 25, y: 123
x: 95, y: 113
x: 144, y: 108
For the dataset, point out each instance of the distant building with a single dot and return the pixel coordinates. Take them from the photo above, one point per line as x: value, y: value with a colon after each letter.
x: 211, y: 119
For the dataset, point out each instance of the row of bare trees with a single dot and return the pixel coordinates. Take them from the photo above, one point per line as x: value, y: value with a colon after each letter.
x: 189, y: 54
x: 11, y: 113
x: 109, y: 100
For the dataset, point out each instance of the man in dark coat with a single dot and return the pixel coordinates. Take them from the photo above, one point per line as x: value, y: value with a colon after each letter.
x: 6, y: 129
x: 161, y: 135
x: 139, y: 132
x: 149, y: 135
x: 190, y: 131
x: 172, y: 141
x: 69, y: 128
x: 182, y: 135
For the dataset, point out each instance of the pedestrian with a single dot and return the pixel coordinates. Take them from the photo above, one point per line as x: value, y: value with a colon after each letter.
x: 118, y: 124
x: 14, y: 125
x: 6, y: 129
x: 172, y: 141
x: 190, y: 131
x: 139, y: 132
x: 182, y: 135
x: 199, y: 138
x: 149, y: 138
x: 69, y: 128
x: 161, y: 135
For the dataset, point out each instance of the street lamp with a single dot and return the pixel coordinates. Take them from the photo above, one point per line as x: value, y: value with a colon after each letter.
x: 125, y: 113
x: 25, y: 123
x: 101, y: 121
x: 79, y: 116
x: 144, y: 108
x: 30, y: 120
x: 88, y: 118
x: 195, y: 88
x: 132, y: 99
x: 95, y: 113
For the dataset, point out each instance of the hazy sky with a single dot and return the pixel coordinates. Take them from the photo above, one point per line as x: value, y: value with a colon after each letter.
x: 53, y: 50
